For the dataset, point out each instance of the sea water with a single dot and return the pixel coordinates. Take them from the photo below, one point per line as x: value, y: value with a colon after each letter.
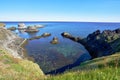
x: 51, y: 57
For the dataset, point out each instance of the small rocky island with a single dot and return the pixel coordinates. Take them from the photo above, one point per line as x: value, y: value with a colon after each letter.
x: 31, y: 29
x: 23, y: 27
x: 54, y: 41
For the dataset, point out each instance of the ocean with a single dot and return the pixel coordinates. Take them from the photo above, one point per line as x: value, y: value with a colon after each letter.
x: 51, y: 57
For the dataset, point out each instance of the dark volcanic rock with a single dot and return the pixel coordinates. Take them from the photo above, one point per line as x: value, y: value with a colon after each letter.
x: 68, y: 35
x: 98, y: 43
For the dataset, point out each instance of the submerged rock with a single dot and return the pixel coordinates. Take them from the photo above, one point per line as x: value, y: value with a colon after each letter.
x: 39, y: 26
x: 54, y: 41
x: 12, y: 28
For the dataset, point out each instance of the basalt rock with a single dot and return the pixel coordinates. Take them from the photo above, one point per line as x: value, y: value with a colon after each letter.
x: 98, y: 43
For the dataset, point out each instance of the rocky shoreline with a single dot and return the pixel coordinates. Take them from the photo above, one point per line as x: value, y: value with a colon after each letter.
x: 98, y: 43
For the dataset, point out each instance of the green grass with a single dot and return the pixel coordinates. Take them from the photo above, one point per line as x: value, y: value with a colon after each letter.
x: 18, y: 69
x: 104, y: 68
x: 97, y: 74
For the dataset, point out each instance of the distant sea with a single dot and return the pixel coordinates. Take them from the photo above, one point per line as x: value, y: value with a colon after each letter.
x: 51, y: 57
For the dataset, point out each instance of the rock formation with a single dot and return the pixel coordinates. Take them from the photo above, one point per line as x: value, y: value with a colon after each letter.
x: 11, y: 42
x: 54, y: 41
x: 31, y: 29
x: 46, y: 34
x: 21, y: 26
x: 98, y: 43
x: 12, y: 28
x: 41, y: 36
x: 2, y: 24
x: 12, y: 64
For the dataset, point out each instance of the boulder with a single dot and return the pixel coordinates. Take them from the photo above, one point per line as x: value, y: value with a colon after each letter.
x: 66, y: 34
x: 54, y: 41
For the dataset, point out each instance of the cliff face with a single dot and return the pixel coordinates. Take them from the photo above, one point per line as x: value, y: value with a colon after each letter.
x: 99, y: 43
x: 12, y: 64
x: 11, y: 42
x: 103, y: 43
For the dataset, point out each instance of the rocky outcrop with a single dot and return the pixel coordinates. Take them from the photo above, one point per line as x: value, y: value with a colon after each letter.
x: 12, y: 28
x: 46, y: 34
x: 31, y: 29
x: 11, y: 42
x: 17, y: 66
x: 54, y: 41
x: 2, y: 24
x: 98, y: 43
x: 68, y: 35
x: 21, y: 26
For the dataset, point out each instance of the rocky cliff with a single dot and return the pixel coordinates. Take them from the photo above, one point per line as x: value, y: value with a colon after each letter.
x: 13, y: 65
x: 99, y: 43
x: 11, y: 42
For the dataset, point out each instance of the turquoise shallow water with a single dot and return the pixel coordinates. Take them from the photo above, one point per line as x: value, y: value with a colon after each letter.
x: 51, y: 57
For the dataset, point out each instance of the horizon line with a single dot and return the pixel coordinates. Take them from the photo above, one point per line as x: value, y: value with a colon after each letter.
x: 65, y: 21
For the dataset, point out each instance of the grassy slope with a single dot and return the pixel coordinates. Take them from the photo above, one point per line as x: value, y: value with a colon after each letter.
x: 17, y: 69
x: 104, y: 68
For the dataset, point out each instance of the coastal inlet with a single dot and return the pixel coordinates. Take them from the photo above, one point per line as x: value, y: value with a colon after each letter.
x: 64, y: 51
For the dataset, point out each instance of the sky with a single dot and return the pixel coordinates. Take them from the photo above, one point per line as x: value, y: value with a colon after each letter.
x: 60, y: 10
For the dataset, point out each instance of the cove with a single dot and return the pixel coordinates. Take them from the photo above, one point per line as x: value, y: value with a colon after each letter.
x: 64, y: 55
